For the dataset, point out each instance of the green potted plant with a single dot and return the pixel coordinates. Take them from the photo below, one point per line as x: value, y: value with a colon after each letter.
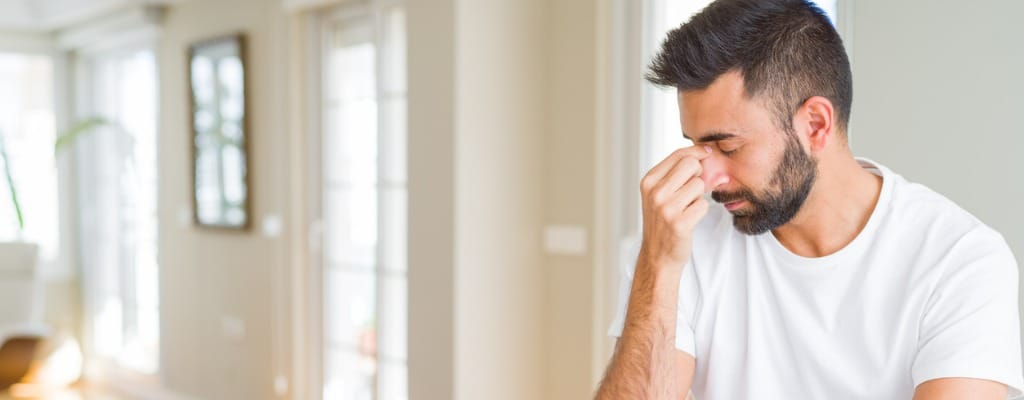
x: 63, y: 140
x: 20, y: 328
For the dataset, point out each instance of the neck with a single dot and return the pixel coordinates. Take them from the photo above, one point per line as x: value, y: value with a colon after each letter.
x: 836, y: 210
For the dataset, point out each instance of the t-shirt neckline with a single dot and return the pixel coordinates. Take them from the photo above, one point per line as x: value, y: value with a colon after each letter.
x: 855, y: 246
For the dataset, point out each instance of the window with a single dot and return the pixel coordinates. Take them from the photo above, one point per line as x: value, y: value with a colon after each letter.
x: 363, y: 203
x: 117, y: 194
x: 27, y: 133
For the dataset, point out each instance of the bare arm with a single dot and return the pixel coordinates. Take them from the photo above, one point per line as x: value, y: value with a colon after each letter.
x: 960, y: 388
x: 646, y: 363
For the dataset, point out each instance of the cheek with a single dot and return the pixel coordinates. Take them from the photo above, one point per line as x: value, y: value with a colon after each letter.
x: 752, y: 171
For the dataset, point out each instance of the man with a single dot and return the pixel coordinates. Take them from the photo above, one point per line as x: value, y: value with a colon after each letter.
x: 824, y: 276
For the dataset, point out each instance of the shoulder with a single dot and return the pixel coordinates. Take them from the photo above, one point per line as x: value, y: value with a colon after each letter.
x: 923, y: 217
x: 924, y: 211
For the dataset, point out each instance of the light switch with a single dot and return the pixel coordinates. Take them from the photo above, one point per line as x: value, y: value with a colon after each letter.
x: 232, y: 327
x: 565, y: 240
x: 271, y: 225
x: 184, y: 216
x: 280, y: 385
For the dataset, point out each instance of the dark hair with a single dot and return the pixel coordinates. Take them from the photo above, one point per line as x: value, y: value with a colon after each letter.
x: 787, y: 50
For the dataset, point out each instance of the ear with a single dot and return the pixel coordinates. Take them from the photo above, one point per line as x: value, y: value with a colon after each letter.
x: 816, y: 118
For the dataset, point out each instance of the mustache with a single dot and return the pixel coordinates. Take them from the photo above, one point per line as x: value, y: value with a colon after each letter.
x: 725, y: 197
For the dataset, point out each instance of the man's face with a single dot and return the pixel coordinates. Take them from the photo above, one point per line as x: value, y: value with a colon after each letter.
x: 759, y: 172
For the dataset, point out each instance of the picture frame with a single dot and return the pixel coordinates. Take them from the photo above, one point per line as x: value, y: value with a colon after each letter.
x: 219, y: 116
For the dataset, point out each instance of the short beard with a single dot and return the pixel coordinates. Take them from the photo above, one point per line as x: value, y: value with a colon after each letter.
x: 790, y: 185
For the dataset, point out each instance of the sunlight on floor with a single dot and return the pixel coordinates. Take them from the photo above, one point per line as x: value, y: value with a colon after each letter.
x: 33, y: 392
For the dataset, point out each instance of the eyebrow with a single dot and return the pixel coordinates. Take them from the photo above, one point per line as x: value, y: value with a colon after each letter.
x: 712, y: 137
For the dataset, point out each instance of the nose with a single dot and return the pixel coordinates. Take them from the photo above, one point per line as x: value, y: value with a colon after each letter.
x: 714, y: 173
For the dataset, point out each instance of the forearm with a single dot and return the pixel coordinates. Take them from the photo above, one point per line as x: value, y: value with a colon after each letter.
x: 644, y: 365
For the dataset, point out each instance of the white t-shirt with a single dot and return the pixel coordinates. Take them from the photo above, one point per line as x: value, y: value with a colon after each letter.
x: 925, y: 291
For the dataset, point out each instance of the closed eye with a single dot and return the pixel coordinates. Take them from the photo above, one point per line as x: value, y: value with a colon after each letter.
x: 728, y: 152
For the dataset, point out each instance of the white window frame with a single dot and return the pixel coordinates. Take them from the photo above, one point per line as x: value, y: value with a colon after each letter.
x: 623, y: 47
x: 131, y: 29
x: 54, y: 269
x: 126, y: 33
x: 310, y: 373
x: 64, y: 268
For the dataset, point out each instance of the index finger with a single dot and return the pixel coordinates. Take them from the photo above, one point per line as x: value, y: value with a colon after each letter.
x: 658, y: 171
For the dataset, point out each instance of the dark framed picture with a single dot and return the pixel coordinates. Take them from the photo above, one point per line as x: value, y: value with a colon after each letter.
x: 220, y: 133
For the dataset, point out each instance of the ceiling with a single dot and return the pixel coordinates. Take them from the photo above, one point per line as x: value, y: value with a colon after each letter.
x: 50, y: 15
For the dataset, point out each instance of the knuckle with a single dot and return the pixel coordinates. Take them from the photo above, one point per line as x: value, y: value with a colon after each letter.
x: 645, y: 183
x: 701, y: 212
x: 680, y: 225
x: 698, y: 184
x: 696, y: 210
x: 666, y: 213
x: 693, y: 189
x: 702, y: 206
x: 657, y: 197
x: 693, y: 164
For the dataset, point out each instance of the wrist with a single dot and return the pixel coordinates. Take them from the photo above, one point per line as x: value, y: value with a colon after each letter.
x: 663, y: 269
x: 660, y: 281
x: 658, y: 256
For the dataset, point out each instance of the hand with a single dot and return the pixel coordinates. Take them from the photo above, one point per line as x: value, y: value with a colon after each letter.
x: 673, y: 202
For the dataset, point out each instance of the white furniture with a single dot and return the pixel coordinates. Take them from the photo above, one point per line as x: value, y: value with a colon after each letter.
x: 20, y: 291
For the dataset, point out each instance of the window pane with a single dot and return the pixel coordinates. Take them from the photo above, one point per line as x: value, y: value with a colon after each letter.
x: 393, y: 321
x: 351, y: 142
x: 365, y: 201
x: 350, y: 309
x: 348, y: 375
x: 393, y: 141
x: 350, y: 236
x: 27, y: 133
x: 394, y: 61
x: 353, y: 63
x: 208, y: 179
x: 393, y: 229
x: 229, y: 71
x: 118, y: 165
x: 138, y: 116
x: 393, y: 381
x: 232, y: 160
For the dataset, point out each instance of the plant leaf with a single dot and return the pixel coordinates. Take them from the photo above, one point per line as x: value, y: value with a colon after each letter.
x: 77, y: 130
x: 10, y: 183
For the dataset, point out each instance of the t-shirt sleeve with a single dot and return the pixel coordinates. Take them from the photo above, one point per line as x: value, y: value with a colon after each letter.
x: 970, y: 326
x: 684, y: 332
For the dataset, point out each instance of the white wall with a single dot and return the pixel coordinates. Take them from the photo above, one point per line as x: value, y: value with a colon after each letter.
x: 431, y: 240
x: 209, y: 275
x: 499, y: 164
x: 476, y: 120
x: 476, y: 155
x: 938, y: 97
x: 570, y: 197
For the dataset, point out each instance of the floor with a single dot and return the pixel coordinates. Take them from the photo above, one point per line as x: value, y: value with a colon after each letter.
x: 78, y: 392
x: 16, y: 357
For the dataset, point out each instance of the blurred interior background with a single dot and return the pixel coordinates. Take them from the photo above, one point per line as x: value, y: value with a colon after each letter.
x: 394, y: 199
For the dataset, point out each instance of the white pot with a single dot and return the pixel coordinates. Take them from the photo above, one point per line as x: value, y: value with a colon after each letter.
x: 20, y: 290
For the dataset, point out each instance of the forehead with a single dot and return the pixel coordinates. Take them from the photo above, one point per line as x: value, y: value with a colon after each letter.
x: 722, y: 110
